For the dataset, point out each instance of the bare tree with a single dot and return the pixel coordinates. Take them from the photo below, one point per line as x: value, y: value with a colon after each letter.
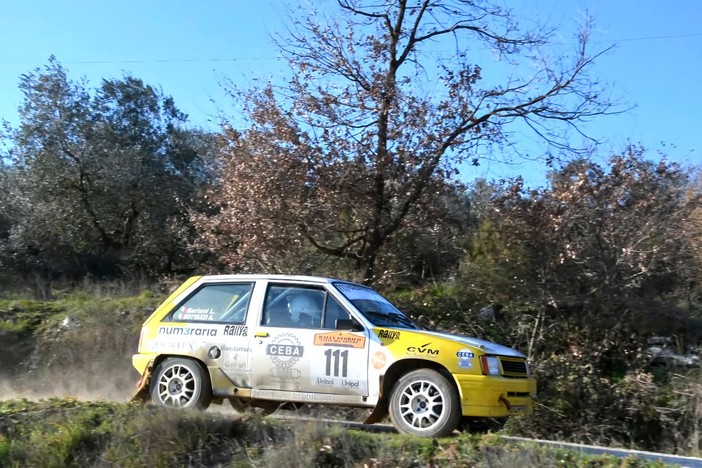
x: 387, y: 100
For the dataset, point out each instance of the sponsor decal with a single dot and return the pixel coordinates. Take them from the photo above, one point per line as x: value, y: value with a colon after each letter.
x: 284, y: 352
x: 344, y: 339
x: 193, y: 313
x: 164, y: 346
x: 187, y: 331
x: 295, y: 396
x: 327, y: 381
x: 379, y: 360
x: 465, y: 357
x: 234, y: 364
x: 350, y: 383
x: 389, y: 334
x: 423, y: 350
x: 236, y: 330
x: 236, y: 349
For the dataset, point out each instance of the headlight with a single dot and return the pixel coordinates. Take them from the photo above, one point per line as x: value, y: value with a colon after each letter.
x: 490, y: 365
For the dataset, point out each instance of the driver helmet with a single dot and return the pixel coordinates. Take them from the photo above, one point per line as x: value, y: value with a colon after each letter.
x: 302, y: 304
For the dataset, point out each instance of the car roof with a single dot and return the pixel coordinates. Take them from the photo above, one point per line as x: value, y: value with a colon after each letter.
x: 272, y: 277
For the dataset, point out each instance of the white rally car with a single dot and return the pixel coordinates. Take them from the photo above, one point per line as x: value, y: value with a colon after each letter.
x: 267, y: 340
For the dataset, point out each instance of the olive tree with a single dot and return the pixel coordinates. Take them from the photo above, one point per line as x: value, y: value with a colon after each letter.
x: 98, y: 180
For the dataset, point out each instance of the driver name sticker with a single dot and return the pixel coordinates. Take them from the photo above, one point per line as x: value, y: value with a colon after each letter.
x: 193, y: 313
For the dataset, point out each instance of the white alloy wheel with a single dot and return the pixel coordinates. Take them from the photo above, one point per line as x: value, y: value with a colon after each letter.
x: 181, y: 383
x: 425, y: 403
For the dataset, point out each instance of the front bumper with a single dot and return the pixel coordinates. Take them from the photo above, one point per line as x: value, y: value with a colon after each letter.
x: 496, y: 397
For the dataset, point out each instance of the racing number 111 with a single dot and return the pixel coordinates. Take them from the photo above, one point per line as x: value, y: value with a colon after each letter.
x: 336, y: 356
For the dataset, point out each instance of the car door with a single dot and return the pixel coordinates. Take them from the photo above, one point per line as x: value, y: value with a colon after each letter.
x: 297, y: 348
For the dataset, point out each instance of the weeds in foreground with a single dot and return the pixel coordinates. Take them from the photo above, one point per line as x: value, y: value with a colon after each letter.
x: 57, y: 433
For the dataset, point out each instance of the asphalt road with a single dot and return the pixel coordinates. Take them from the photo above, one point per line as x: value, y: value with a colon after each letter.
x: 622, y: 453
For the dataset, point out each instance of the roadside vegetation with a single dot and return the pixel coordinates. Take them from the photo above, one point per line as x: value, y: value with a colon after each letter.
x: 65, y: 432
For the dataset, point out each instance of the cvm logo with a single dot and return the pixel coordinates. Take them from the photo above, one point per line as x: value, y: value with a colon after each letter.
x: 423, y: 349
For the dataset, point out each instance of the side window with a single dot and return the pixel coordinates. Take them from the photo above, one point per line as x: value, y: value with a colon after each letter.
x: 293, y: 306
x: 333, y: 312
x: 225, y: 303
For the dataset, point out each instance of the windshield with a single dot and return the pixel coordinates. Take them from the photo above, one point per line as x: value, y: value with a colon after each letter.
x: 378, y: 310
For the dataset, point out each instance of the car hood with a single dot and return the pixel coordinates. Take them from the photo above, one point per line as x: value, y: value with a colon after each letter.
x: 488, y: 347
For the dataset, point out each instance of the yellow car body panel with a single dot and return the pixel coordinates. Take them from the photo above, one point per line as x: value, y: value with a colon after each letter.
x: 481, y: 395
x: 141, y: 361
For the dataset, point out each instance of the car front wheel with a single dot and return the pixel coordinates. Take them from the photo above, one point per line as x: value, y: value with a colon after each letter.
x: 181, y: 383
x: 425, y: 403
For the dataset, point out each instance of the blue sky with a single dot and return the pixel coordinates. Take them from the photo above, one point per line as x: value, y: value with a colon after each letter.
x: 189, y: 48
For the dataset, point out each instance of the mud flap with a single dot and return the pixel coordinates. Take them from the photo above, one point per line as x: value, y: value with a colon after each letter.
x: 142, y: 390
x: 379, y: 412
x: 505, y: 402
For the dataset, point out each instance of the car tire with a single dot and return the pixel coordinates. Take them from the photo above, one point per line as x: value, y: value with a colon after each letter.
x: 181, y: 383
x: 425, y: 403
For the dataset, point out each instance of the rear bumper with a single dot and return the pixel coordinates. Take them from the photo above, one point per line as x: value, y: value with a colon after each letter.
x: 141, y: 362
x: 486, y: 396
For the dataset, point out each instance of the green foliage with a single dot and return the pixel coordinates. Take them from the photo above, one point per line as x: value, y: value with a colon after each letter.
x: 99, y: 180
x: 70, y: 433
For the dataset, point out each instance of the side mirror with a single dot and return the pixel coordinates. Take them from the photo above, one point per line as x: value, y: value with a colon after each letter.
x: 348, y: 324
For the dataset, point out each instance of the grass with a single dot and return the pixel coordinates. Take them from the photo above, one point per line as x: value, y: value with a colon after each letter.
x: 67, y: 433
x: 79, y: 343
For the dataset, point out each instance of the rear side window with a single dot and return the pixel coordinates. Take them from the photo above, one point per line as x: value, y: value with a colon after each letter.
x: 226, y: 303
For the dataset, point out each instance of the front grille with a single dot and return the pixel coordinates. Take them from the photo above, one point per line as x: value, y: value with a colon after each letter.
x: 512, y: 367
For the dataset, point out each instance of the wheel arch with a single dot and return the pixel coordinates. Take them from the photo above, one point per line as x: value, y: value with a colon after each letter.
x: 205, y: 396
x: 144, y: 384
x: 394, y: 373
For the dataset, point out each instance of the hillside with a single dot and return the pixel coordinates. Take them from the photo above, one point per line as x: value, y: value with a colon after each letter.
x: 66, y: 375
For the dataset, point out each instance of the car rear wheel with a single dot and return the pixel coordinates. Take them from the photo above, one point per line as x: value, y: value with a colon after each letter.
x: 181, y: 383
x: 425, y: 403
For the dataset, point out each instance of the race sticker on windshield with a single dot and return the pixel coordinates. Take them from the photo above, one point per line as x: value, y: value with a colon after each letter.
x: 192, y: 313
x: 354, y: 291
